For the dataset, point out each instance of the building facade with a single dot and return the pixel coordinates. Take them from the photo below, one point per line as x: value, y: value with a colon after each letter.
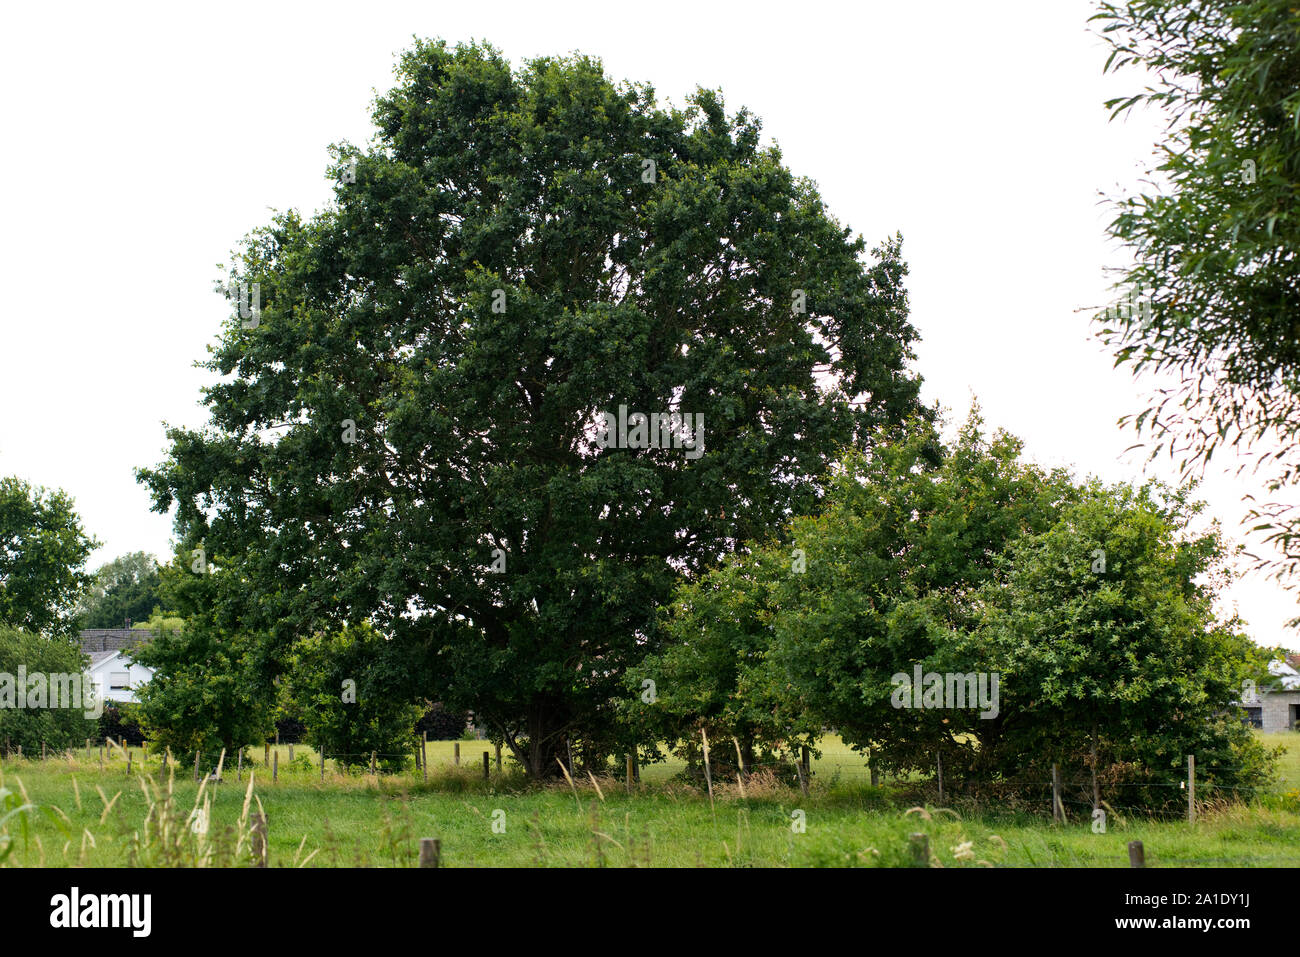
x: 115, y: 676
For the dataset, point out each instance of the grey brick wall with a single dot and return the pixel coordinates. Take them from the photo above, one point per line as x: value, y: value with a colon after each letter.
x: 1278, y: 707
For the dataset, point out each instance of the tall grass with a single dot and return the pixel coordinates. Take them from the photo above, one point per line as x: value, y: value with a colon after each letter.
x: 66, y: 812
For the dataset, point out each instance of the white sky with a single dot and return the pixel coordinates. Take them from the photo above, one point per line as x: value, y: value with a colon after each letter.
x: 143, y: 141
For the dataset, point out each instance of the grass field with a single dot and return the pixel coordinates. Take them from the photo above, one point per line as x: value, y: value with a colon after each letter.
x: 86, y: 816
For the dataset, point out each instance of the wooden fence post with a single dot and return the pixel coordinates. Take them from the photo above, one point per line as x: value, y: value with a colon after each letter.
x: 42, y: 749
x: 919, y: 844
x: 806, y: 758
x: 196, y: 765
x: 291, y: 752
x: 629, y: 774
x: 1191, y: 789
x: 275, y: 767
x: 708, y: 774
x: 487, y: 764
x: 1136, y: 855
x: 372, y: 763
x: 88, y: 749
x: 266, y: 754
x: 1092, y: 763
x: 430, y: 851
x: 239, y: 767
x: 456, y: 753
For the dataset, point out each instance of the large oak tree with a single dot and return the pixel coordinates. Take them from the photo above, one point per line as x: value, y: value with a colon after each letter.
x: 404, y: 434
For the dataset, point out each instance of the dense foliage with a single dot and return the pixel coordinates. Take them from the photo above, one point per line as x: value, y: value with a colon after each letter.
x: 121, y: 722
x: 352, y: 690
x: 1214, y: 236
x: 206, y: 693
x: 442, y: 724
x: 43, y: 553
x: 405, y: 436
x: 61, y: 721
x: 124, y: 590
x: 1090, y: 604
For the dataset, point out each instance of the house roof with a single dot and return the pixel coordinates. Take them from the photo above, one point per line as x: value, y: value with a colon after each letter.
x: 99, y: 657
x: 112, y: 639
x: 1288, y: 675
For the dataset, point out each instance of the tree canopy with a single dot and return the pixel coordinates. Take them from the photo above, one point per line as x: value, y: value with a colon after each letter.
x: 406, y: 431
x: 43, y: 552
x: 125, y: 589
x: 1091, y: 605
x: 1214, y: 235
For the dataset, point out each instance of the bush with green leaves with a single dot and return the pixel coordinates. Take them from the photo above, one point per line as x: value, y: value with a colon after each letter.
x: 352, y: 691
x: 204, y: 695
x: 715, y: 678
x: 442, y: 724
x: 1092, y: 604
x: 1104, y: 632
x: 61, y: 727
x: 121, y: 722
x: 905, y: 532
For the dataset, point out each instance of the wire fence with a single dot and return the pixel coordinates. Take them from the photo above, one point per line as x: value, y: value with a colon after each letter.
x: 828, y: 770
x: 1040, y: 850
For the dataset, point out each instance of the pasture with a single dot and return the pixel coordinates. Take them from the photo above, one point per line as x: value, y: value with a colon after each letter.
x: 87, y: 817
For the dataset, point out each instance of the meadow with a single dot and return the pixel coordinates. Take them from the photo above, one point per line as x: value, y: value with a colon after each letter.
x: 85, y: 816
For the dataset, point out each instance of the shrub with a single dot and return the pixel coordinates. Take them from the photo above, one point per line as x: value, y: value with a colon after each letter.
x: 344, y: 684
x: 121, y: 722
x: 291, y: 730
x: 57, y: 727
x: 442, y: 724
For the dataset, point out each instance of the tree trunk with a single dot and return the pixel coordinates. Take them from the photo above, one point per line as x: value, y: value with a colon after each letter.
x: 546, y: 741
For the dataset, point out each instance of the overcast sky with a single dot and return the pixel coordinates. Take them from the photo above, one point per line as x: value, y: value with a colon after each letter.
x: 143, y: 141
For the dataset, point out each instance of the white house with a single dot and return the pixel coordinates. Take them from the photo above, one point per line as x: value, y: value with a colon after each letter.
x: 113, y: 674
x: 1277, y: 707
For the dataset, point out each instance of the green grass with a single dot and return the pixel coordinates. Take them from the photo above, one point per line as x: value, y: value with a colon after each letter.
x: 358, y: 820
